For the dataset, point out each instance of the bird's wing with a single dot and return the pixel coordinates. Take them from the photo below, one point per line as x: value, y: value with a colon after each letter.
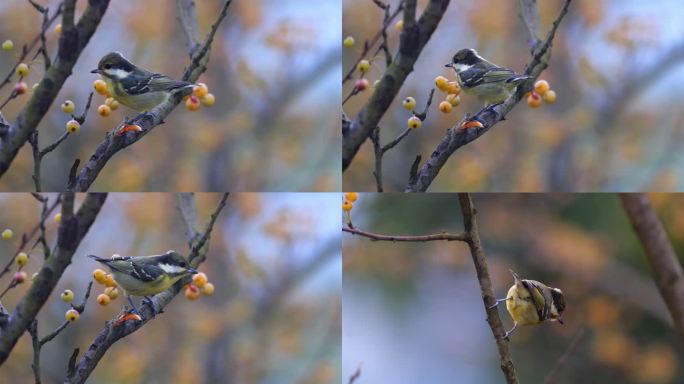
x: 476, y: 76
x: 141, y: 271
x: 540, y: 297
x: 141, y: 82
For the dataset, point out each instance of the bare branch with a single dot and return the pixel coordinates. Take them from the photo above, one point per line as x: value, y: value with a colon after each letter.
x: 392, y: 238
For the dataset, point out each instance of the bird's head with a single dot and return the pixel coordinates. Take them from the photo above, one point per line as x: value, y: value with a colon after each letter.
x: 175, y: 264
x: 559, y: 302
x: 464, y: 59
x: 114, y: 65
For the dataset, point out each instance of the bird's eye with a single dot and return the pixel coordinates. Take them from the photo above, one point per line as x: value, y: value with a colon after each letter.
x: 108, y: 66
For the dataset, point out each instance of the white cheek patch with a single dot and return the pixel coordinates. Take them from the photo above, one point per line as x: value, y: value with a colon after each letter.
x: 462, y: 67
x: 116, y: 73
x: 171, y: 269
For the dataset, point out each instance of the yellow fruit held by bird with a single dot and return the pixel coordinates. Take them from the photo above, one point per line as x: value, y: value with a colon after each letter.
x: 347, y: 206
x: 207, y: 289
x: 445, y: 107
x: 453, y: 88
x: 534, y: 100
x: 21, y: 259
x: 109, y: 281
x: 454, y: 100
x: 100, y: 87
x: 414, y: 122
x: 442, y: 83
x: 541, y: 87
x: 409, y: 103
x: 208, y: 100
x: 199, y: 279
x: 73, y: 126
x: 112, y: 292
x: 103, y: 299
x: 200, y: 90
x: 104, y: 110
x: 549, y: 97
x: 67, y: 296
x: 68, y: 106
x: 72, y: 315
x: 363, y: 66
x: 192, y: 103
x: 348, y: 42
x: 22, y: 70
x: 351, y: 196
x: 100, y: 276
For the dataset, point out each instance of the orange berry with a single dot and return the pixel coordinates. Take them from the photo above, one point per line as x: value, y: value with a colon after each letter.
x: 100, y: 87
x: 200, y: 90
x: 534, y: 100
x: 541, y: 87
x: 445, y: 106
x: 192, y: 292
x: 109, y: 281
x: 207, y: 289
x: 549, y: 97
x: 347, y: 206
x: 112, y: 103
x: 199, y: 279
x: 112, y: 292
x: 192, y: 103
x: 208, y: 100
x: 103, y: 299
x: 58, y: 28
x: 454, y: 100
x: 399, y: 25
x: 104, y: 110
x: 453, y: 88
x: 100, y: 276
x: 351, y: 196
x: 442, y: 83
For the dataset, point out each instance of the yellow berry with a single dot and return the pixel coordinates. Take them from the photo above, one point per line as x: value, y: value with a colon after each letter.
x: 414, y: 122
x: 200, y: 90
x: 109, y: 281
x: 409, y: 103
x: 549, y: 97
x: 20, y: 277
x: 192, y: 292
x: 453, y: 88
x: 348, y: 42
x: 347, y: 206
x: 22, y: 70
x: 73, y: 126
x: 68, y: 106
x: 100, y: 276
x: 104, y: 110
x: 199, y: 279
x: 541, y: 87
x: 534, y: 100
x: 58, y: 28
x: 8, y: 45
x: 67, y: 296
x: 72, y: 315
x: 112, y: 292
x: 7, y: 234
x: 103, y: 299
x: 363, y: 66
x: 399, y: 25
x: 207, y: 289
x: 100, y: 86
x: 21, y: 259
x: 208, y: 100
x: 20, y: 88
x: 445, y: 106
x: 442, y: 83
x: 192, y: 103
x: 361, y: 84
x: 351, y: 196
x: 454, y: 100
x: 58, y: 217
x: 111, y: 103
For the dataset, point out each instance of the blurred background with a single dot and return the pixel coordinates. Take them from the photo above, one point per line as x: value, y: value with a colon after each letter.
x: 274, y: 318
x: 616, y: 66
x: 413, y: 311
x: 272, y: 68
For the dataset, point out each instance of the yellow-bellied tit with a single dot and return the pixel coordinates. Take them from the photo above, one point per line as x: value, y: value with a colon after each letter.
x: 531, y: 302
x: 485, y: 80
x: 135, y: 87
x: 147, y: 275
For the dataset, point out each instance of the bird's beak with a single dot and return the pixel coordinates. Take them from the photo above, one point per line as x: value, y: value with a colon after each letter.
x: 95, y: 71
x: 449, y: 65
x: 192, y: 270
x: 560, y: 320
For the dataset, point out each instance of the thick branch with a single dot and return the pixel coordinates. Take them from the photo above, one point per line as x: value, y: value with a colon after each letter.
x: 665, y: 266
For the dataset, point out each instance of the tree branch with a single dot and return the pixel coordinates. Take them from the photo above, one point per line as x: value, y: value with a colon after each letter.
x: 392, y: 238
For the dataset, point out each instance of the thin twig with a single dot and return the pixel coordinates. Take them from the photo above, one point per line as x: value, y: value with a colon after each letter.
x: 422, y: 238
x: 576, y: 341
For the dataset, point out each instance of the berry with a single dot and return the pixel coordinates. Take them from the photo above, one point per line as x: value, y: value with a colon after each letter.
x: 20, y: 277
x: 111, y: 103
x: 67, y: 296
x: 454, y: 100
x: 104, y: 110
x: 409, y: 103
x: 100, y: 86
x: 442, y: 83
x: 351, y: 196
x: 73, y: 126
x: 109, y: 281
x: 192, y: 103
x: 100, y: 276
x: 363, y: 66
x: 347, y: 206
x: 192, y: 292
x: 414, y: 122
x: 453, y: 88
x: 68, y: 106
x: 112, y: 292
x: 549, y: 97
x: 58, y: 217
x: 200, y: 279
x: 8, y: 45
x: 200, y: 90
x: 20, y: 88
x: 72, y: 315
x: 22, y: 70
x: 445, y: 106
x: 103, y: 299
x: 541, y: 87
x: 208, y: 100
x: 534, y: 100
x: 58, y: 28
x: 21, y: 259
x: 361, y: 84
x: 207, y: 289
x: 7, y: 234
x: 348, y: 42
x: 399, y: 25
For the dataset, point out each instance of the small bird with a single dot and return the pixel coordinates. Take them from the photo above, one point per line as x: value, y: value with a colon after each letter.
x: 134, y: 87
x: 478, y: 77
x: 531, y: 302
x: 147, y: 275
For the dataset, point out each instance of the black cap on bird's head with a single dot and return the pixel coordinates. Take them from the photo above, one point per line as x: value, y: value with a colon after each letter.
x: 111, y: 63
x: 174, y: 263
x: 559, y: 302
x: 466, y: 56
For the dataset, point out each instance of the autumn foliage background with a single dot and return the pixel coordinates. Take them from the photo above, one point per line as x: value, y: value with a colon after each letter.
x: 273, y: 125
x: 274, y: 317
x: 616, y: 67
x: 413, y: 311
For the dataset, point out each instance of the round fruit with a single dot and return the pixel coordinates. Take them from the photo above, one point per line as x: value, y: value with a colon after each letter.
x: 67, y: 296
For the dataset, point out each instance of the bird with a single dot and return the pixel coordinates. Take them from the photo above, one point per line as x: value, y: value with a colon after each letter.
x: 147, y: 275
x: 135, y: 87
x: 487, y: 81
x: 531, y: 302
